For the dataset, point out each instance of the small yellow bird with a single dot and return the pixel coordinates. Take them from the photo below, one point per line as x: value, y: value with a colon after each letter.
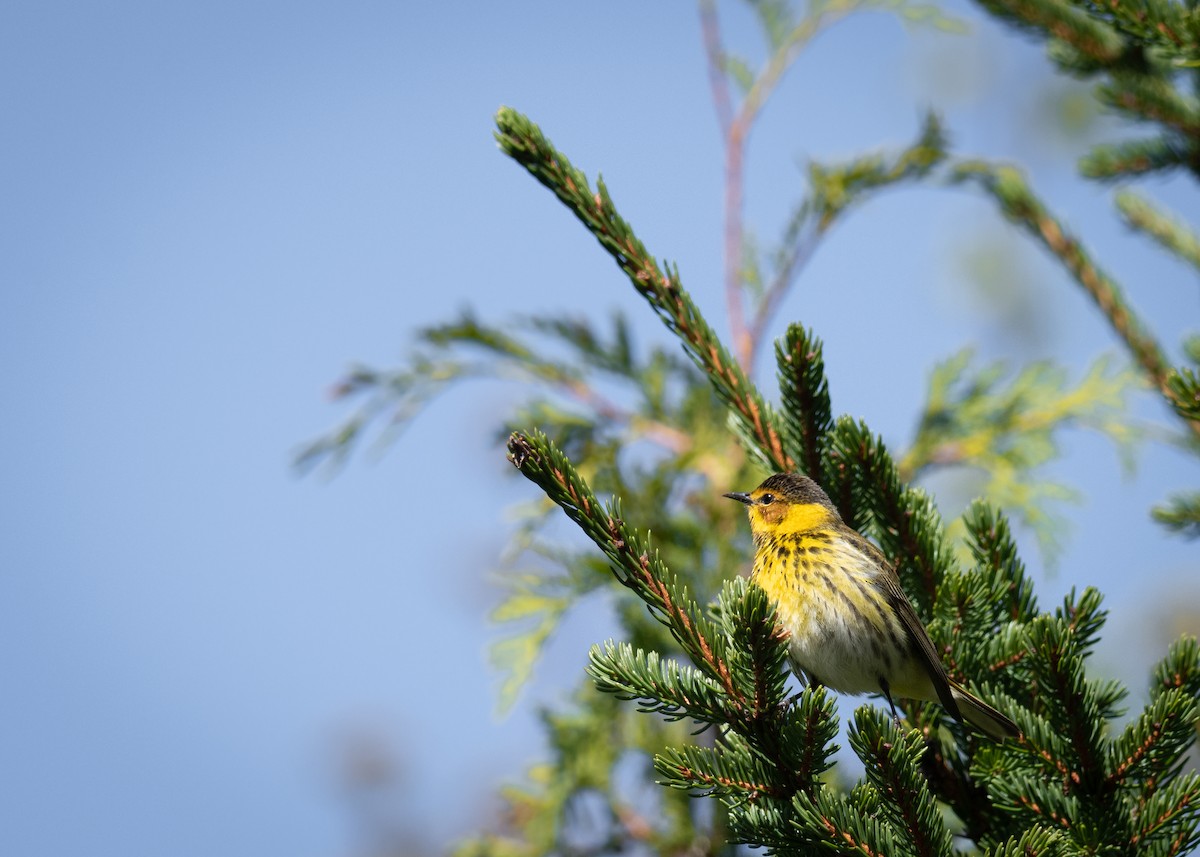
x: 850, y: 625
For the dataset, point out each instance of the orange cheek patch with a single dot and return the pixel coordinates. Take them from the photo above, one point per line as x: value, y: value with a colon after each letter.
x: 772, y: 514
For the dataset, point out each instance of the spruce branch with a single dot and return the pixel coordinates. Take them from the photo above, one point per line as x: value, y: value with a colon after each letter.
x: 945, y: 770
x: 808, y: 734
x: 1058, y: 19
x: 659, y: 685
x: 1179, y: 670
x: 843, y: 824
x: 1037, y: 841
x: 981, y: 618
x: 991, y: 543
x: 1180, y: 514
x: 892, y: 761
x: 1083, y: 617
x: 1183, y: 392
x: 767, y: 824
x: 1032, y: 806
x: 797, y: 736
x: 1165, y: 29
x: 974, y: 636
x: 716, y: 772
x: 1145, y: 97
x: 1134, y: 157
x: 906, y: 522
x: 1169, y: 231
x: 807, y: 413
x: 524, y: 142
x: 1166, y: 823
x: 1078, y: 755
x: 632, y: 560
x: 758, y: 654
x: 1152, y: 748
x: 1010, y: 190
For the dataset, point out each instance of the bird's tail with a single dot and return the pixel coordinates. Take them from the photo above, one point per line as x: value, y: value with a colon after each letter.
x: 981, y: 715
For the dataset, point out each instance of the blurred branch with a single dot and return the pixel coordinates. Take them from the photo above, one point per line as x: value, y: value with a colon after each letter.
x: 1059, y: 19
x: 1181, y: 514
x: 735, y: 126
x: 833, y: 190
x: 467, y: 349
x: 1009, y: 188
x: 786, y: 38
x: 1136, y: 157
x: 1008, y: 429
x: 718, y: 83
x: 1168, y: 231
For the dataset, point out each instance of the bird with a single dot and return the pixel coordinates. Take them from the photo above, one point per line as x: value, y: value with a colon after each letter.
x: 850, y: 626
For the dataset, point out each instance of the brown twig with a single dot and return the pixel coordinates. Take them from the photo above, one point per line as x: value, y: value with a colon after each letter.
x: 797, y: 257
x: 710, y: 27
x: 736, y: 127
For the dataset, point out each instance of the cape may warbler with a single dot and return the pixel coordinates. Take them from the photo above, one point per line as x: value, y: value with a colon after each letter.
x: 850, y: 625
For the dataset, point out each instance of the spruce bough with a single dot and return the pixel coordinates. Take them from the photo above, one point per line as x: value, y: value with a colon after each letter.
x: 1071, y: 786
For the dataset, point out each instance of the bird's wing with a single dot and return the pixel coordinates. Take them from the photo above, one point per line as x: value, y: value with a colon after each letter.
x: 916, y: 630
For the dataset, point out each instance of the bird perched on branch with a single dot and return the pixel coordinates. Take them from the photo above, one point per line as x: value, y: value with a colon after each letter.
x: 850, y: 625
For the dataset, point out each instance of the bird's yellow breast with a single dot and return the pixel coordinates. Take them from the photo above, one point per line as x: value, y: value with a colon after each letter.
x: 815, y: 573
x: 827, y: 596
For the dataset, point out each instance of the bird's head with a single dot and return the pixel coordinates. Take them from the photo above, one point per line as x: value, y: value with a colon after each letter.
x: 787, y: 503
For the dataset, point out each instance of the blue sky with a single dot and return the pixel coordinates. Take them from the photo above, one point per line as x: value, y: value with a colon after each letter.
x: 211, y: 210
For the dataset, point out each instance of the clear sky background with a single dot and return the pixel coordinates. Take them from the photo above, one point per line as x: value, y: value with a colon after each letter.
x: 211, y: 210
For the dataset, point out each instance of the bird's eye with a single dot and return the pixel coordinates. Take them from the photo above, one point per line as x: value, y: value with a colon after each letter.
x: 766, y: 499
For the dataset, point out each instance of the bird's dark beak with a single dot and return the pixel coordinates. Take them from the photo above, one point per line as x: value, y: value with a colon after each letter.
x: 739, y: 496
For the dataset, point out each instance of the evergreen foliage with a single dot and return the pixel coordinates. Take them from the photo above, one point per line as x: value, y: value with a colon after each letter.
x: 695, y: 695
x: 1018, y: 202
x: 1139, y: 213
x: 1143, y: 54
x: 1066, y: 786
x: 975, y: 418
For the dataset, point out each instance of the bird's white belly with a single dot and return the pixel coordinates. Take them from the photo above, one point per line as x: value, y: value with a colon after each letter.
x: 830, y: 650
x: 851, y: 657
